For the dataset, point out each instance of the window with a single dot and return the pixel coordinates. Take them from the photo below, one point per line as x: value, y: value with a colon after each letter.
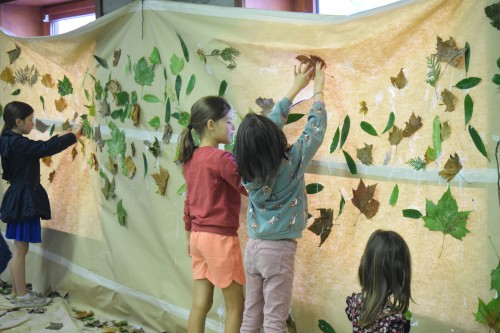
x: 64, y: 25
x: 348, y: 7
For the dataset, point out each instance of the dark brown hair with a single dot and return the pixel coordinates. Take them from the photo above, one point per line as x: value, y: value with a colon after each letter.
x: 385, y: 275
x: 15, y: 110
x: 206, y: 108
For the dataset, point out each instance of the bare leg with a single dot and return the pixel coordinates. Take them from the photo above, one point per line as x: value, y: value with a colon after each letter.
x: 18, y: 268
x: 203, y: 294
x: 234, y: 300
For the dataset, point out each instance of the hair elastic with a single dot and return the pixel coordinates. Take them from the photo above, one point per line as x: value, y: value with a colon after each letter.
x: 190, y: 126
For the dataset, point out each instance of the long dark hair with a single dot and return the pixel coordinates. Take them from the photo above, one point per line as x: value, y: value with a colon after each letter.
x: 260, y: 147
x: 15, y: 110
x: 385, y: 275
x: 206, y: 108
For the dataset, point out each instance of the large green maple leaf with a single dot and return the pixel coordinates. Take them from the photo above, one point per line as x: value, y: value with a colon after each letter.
x: 116, y: 145
x: 445, y: 217
x: 144, y: 74
x: 495, y: 278
x: 489, y: 314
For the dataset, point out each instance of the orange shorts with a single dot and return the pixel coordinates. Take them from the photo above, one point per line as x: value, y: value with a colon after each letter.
x: 216, y: 258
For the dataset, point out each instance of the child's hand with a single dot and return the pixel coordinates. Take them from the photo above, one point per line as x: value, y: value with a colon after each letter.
x: 319, y: 81
x: 303, y: 75
x: 77, y: 130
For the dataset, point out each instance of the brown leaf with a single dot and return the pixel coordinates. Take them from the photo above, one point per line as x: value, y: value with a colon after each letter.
x: 451, y: 168
x: 41, y: 126
x: 60, y: 104
x: 135, y: 114
x: 104, y: 108
x: 412, y: 125
x: 365, y: 154
x: 364, y: 108
x: 395, y: 136
x: 400, y: 80
x: 132, y: 149
x: 83, y: 314
x: 111, y: 165
x: 445, y: 131
x: 97, y: 137
x: 311, y: 60
x: 130, y: 165
x: 116, y: 57
x: 114, y: 87
x: 448, y: 100
x: 8, y: 76
x: 47, y: 160
x: 51, y: 175
x: 363, y: 199
x: 161, y: 180
x: 322, y: 225
x: 47, y: 81
x: 74, y: 152
x: 66, y: 125
x: 448, y: 52
x: 266, y: 104
x: 14, y: 54
x: 93, y: 162
x: 430, y: 155
x: 167, y: 133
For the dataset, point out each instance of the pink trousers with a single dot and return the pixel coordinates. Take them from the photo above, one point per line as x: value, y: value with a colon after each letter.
x: 269, y: 269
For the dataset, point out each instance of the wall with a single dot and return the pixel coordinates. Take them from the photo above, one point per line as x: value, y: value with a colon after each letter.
x: 31, y: 18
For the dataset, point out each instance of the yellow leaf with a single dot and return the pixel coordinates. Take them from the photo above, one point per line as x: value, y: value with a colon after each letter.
x: 161, y: 180
x: 451, y: 168
x: 60, y: 104
x: 47, y: 160
x: 364, y: 108
x: 135, y: 114
x: 395, y: 136
x: 8, y: 76
x: 47, y: 81
x: 448, y: 100
x: 130, y: 165
x: 400, y: 80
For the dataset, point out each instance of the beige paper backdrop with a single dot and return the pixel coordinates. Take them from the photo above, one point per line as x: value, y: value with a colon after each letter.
x: 140, y: 272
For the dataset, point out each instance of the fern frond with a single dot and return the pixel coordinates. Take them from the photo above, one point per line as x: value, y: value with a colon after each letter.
x: 417, y: 163
x: 434, y: 72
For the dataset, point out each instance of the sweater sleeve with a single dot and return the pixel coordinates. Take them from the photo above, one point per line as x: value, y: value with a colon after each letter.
x: 25, y: 147
x: 280, y: 112
x: 229, y: 172
x: 314, y: 132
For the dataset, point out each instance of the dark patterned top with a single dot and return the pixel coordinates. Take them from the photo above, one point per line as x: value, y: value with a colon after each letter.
x: 387, y: 323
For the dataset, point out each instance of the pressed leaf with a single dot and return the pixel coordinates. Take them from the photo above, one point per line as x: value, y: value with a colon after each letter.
x: 436, y: 135
x: 445, y: 131
x: 14, y: 54
x: 496, y: 79
x: 390, y: 122
x: 335, y: 140
x: 116, y: 56
x: 417, y: 163
x: 16, y: 92
x: 365, y: 154
x: 161, y: 180
x: 363, y: 108
x: 41, y: 126
x: 64, y: 87
x: 128, y: 168
x: 43, y: 102
x: 448, y: 100
x: 184, y: 48
x: 400, y: 80
x: 448, y: 52
x: 469, y: 108
x: 412, y: 213
x: 181, y: 190
x: 430, y: 155
x: 128, y: 67
x: 143, y: 74
x: 122, y: 98
x: 322, y: 225
x: 122, y: 214
x: 222, y: 88
x: 145, y: 160
x: 489, y: 314
x: 314, y: 188
x: 191, y: 83
x: 495, y: 278
x: 368, y: 128
x: 52, y: 129
x: 350, y: 163
x: 341, y: 205
x: 364, y: 201
x: 178, y: 86
x: 154, y: 58
x: 345, y: 130
x: 8, y: 76
x: 167, y: 111
x: 293, y: 117
x: 478, y: 142
x: 151, y: 98
x: 60, y: 104
x: 325, y: 327
x: 133, y: 97
x: 266, y: 104
x: 412, y: 125
x: 434, y: 72
x: 394, y: 195
x: 176, y: 64
x: 155, y: 122
x: 468, y: 83
x: 395, y: 136
x: 47, y: 81
x: 467, y: 57
x: 451, y: 168
x: 101, y: 61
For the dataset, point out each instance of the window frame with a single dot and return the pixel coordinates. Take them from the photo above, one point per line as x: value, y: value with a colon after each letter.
x: 67, y: 10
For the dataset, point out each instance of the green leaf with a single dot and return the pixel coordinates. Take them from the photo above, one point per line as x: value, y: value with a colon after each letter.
x: 434, y: 72
x: 128, y: 68
x: 133, y: 98
x: 41, y: 100
x: 184, y: 48
x: 368, y: 128
x: 52, y: 129
x: 87, y: 96
x: 101, y: 61
x: 191, y: 83
x: 154, y: 58
x: 144, y: 75
x: 467, y: 57
x: 183, y: 118
x: 394, y: 196
x: 314, y: 188
x: 469, y: 108
x: 390, y: 122
x: 181, y: 190
x: 222, y: 88
x: 16, y: 92
x: 116, y: 145
x: 122, y: 98
x: 178, y: 86
x: 86, y: 126
x: 325, y: 327
x: 155, y: 122
x: 350, y: 163
x: 144, y: 158
x: 495, y: 279
x: 408, y: 314
x: 345, y: 130
x: 468, y: 83
x: 341, y: 205
x: 412, y: 213
x: 121, y: 213
x: 478, y: 141
x: 436, y: 135
x: 496, y: 79
x: 176, y: 64
x: 127, y: 111
x: 64, y: 87
x: 335, y: 140
x: 167, y: 111
x: 489, y: 314
x: 498, y: 62
x: 293, y: 117
x: 418, y: 163
x: 151, y: 98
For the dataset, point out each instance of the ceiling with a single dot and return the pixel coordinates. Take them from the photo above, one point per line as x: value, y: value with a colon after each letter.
x: 35, y: 3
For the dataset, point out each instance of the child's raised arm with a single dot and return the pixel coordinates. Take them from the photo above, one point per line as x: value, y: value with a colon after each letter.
x: 303, y: 75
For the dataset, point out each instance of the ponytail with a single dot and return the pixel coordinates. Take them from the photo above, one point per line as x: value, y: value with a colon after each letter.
x: 186, y: 146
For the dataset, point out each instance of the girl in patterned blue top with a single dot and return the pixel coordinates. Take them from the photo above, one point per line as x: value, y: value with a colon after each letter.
x: 273, y: 174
